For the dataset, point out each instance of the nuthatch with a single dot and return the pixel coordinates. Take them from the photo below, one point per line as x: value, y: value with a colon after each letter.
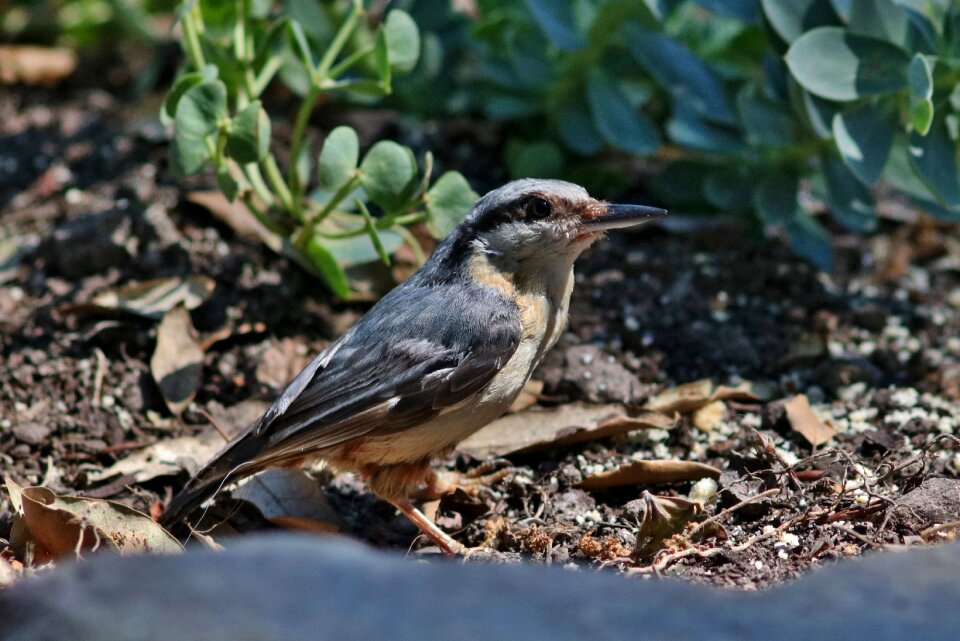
x: 439, y: 357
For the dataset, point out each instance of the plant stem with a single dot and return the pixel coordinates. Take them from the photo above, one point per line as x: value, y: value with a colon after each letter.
x: 297, y: 139
x: 280, y: 187
x: 348, y: 62
x: 305, y: 232
x: 252, y: 173
x: 190, y: 34
x: 339, y: 41
x: 418, y: 254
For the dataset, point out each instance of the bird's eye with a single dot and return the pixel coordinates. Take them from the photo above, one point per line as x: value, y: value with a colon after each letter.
x: 538, y: 208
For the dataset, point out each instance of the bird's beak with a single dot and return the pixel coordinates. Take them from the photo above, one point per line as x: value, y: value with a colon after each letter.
x: 619, y: 216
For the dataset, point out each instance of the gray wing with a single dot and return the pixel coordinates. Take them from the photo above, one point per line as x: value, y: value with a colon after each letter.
x: 418, y: 351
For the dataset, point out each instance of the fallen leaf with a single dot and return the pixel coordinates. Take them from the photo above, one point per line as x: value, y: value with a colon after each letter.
x: 528, y: 396
x: 649, y: 473
x: 806, y: 423
x: 154, y: 298
x: 692, y: 396
x: 164, y: 458
x: 236, y: 216
x: 662, y: 517
x: 708, y: 417
x: 537, y: 429
x: 177, y: 361
x: 282, y: 361
x: 49, y: 526
x: 33, y: 65
x: 290, y: 499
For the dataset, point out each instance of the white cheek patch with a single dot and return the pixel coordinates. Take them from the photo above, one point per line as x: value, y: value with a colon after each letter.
x: 523, y: 239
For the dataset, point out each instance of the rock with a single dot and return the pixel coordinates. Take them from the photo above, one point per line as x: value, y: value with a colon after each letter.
x: 296, y: 587
x: 93, y: 243
x: 31, y: 432
x: 937, y: 500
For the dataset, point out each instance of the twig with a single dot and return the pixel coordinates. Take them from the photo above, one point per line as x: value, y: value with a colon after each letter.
x: 730, y: 510
x: 98, y: 376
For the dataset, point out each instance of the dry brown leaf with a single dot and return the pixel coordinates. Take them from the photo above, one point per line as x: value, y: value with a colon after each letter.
x: 537, y: 429
x: 290, y: 499
x: 649, y: 473
x: 32, y: 65
x: 48, y: 526
x: 236, y: 215
x: 708, y: 417
x: 164, y: 458
x: 177, y: 361
x: 662, y: 517
x: 692, y: 396
x: 282, y: 361
x: 528, y: 396
x: 154, y: 298
x: 806, y: 423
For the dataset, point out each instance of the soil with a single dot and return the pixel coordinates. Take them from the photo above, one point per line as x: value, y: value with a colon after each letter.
x: 88, y: 205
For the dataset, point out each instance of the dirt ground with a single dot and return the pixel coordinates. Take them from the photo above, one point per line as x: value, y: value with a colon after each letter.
x: 87, y: 206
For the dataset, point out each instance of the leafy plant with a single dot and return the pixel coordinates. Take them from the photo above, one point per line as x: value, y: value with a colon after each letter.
x: 749, y: 102
x: 331, y: 210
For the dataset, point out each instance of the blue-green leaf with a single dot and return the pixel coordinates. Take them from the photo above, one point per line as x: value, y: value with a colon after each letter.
x: 620, y: 124
x: 687, y: 128
x: 863, y: 137
x: 388, y: 172
x: 688, y: 79
x: 883, y: 19
x: 810, y: 241
x: 557, y: 21
x: 577, y: 130
x: 851, y: 203
x: 199, y: 114
x: 775, y: 196
x: 765, y: 122
x: 934, y: 158
x: 728, y: 189
x: 537, y: 159
x: 791, y: 18
x: 838, y: 65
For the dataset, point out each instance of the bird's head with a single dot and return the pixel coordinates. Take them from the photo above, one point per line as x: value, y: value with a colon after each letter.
x: 530, y: 229
x: 550, y: 220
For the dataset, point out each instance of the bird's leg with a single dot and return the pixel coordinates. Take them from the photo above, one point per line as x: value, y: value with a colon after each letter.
x: 428, y: 527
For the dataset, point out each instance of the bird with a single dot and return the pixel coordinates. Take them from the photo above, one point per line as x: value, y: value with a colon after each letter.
x: 437, y: 358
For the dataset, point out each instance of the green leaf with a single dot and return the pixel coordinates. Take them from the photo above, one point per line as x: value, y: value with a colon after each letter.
x: 728, y: 189
x: 921, y: 94
x: 838, y: 65
x: 185, y: 82
x: 851, y: 203
x: 402, y: 40
x: 577, y: 131
x: 536, y: 159
x: 388, y: 174
x: 811, y: 241
x: 304, y: 163
x: 199, y: 114
x: 381, y: 58
x: 863, y: 137
x: 248, y: 137
x: 327, y: 267
x: 448, y: 201
x: 775, y: 196
x: 687, y: 128
x: 557, y: 21
x: 791, y: 18
x: 679, y: 71
x: 371, y: 228
x: 227, y: 184
x: 765, y: 122
x: 301, y: 46
x: 883, y: 19
x: 620, y: 124
x: 338, y: 158
x: 934, y: 159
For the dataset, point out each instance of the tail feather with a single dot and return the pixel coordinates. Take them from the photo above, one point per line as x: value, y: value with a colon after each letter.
x: 233, y: 463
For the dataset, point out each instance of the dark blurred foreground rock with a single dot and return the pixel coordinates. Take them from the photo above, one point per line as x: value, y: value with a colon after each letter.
x: 287, y: 588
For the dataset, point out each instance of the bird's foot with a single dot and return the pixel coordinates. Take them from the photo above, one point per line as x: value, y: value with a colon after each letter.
x: 444, y: 541
x: 473, y: 482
